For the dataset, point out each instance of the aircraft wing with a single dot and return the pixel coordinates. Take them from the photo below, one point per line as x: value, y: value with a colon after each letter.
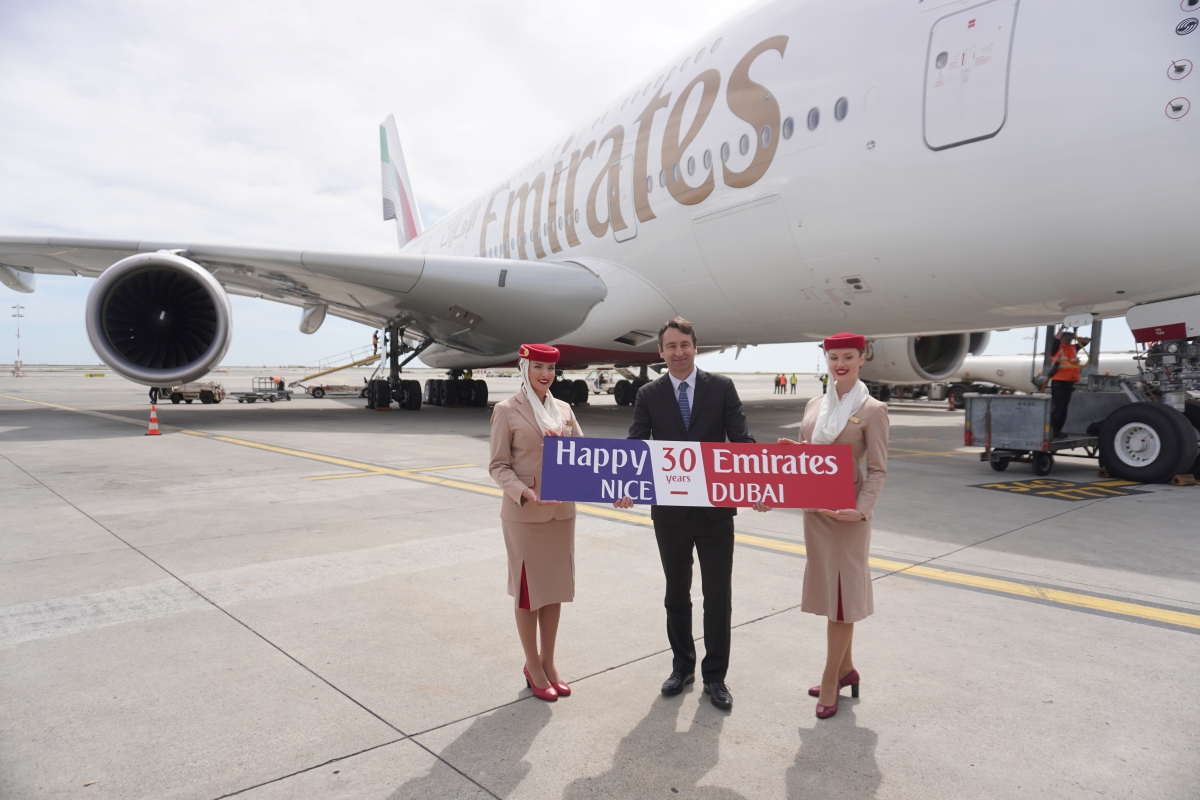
x: 487, y: 306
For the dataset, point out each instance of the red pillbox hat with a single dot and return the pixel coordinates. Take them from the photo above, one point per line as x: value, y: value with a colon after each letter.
x: 539, y: 352
x: 839, y: 340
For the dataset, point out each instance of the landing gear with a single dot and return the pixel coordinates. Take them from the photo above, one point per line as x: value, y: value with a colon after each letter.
x: 1147, y: 443
x: 574, y: 393
x: 625, y: 391
x: 1191, y: 410
x: 454, y: 391
x: 581, y: 394
x: 379, y: 394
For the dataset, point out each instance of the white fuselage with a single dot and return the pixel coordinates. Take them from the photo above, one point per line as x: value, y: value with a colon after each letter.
x: 1070, y: 192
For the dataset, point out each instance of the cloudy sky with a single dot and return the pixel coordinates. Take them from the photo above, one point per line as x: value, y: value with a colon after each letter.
x: 256, y: 123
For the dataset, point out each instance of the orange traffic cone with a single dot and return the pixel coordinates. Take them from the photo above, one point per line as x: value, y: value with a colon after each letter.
x: 153, y: 430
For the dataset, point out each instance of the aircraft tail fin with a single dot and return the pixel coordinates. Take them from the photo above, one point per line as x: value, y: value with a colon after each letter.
x: 399, y: 203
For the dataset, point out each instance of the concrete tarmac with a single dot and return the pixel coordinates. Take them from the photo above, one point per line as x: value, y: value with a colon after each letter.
x: 307, y: 599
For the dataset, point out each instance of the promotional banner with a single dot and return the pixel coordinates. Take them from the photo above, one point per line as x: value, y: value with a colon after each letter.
x: 698, y: 473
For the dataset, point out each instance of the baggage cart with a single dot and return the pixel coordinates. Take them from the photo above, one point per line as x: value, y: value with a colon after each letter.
x: 267, y: 389
x: 1011, y: 427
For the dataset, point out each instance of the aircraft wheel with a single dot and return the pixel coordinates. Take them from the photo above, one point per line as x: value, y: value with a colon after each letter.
x: 623, y: 392
x: 318, y: 393
x: 1147, y: 443
x: 1042, y: 464
x: 481, y: 394
x: 413, y: 397
x: 580, y: 391
x: 1192, y: 412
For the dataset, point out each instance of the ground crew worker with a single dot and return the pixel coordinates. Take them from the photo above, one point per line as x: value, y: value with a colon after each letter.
x: 1062, y: 382
x: 375, y: 342
x: 824, y: 382
x: 793, y: 383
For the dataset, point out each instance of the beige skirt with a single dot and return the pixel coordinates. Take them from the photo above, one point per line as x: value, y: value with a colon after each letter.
x: 541, y: 562
x: 837, y: 574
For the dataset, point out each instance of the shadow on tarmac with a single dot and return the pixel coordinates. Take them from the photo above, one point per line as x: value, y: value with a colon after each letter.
x: 491, y: 751
x: 836, y: 759
x: 655, y: 752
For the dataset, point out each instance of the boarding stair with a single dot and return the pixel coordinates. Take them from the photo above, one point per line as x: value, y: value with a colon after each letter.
x: 336, y: 363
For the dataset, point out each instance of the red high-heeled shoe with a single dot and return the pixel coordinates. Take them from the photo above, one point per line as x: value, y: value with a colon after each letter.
x: 549, y: 694
x: 563, y: 689
x: 850, y: 679
x: 825, y: 712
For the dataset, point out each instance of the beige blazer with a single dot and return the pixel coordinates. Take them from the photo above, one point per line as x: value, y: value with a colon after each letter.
x: 868, y: 437
x: 516, y: 461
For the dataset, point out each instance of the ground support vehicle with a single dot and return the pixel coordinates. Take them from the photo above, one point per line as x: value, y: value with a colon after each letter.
x: 333, y: 390
x: 1115, y: 421
x: 601, y: 381
x: 206, y: 392
x: 266, y: 389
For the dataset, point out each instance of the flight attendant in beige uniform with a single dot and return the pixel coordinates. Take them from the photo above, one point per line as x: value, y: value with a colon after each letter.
x: 837, y: 574
x: 539, y: 535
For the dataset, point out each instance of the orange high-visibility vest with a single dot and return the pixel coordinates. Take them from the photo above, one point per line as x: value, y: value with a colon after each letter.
x: 1066, y: 370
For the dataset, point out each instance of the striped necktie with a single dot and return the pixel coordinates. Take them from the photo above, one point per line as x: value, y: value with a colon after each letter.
x: 685, y: 408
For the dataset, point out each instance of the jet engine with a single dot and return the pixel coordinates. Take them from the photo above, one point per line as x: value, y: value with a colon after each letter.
x: 917, y: 359
x: 159, y: 319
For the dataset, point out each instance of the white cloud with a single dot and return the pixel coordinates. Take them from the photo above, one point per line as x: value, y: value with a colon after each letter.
x: 257, y: 123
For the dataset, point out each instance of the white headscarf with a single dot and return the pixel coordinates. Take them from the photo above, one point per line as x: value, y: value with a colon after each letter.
x: 836, y: 411
x: 548, y: 417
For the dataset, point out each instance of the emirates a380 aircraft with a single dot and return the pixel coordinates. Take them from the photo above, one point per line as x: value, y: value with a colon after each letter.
x: 899, y: 168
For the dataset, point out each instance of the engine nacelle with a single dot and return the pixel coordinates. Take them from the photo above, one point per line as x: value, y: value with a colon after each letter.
x: 916, y: 359
x: 159, y: 319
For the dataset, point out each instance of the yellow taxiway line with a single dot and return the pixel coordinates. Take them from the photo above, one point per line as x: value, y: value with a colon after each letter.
x: 1000, y: 586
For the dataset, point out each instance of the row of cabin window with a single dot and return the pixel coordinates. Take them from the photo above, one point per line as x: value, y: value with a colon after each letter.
x: 525, y: 238
x: 840, y: 108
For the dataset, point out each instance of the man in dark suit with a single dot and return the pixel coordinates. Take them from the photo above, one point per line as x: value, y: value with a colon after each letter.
x: 689, y: 405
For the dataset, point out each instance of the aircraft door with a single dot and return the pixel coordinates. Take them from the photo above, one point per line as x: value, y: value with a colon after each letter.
x: 621, y: 197
x: 966, y: 74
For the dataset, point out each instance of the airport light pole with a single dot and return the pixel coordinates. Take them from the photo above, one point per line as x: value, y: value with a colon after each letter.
x: 17, y: 371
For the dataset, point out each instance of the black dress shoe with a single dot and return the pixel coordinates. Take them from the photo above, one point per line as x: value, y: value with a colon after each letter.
x: 678, y: 680
x: 719, y: 692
